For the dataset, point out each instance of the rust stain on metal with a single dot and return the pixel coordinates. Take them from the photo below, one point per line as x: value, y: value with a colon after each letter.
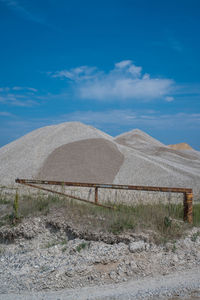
x: 96, y: 194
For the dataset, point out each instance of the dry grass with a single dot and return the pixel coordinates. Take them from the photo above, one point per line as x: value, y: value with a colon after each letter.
x: 164, y: 220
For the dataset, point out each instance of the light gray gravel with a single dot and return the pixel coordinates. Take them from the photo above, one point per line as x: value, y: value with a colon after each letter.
x: 162, y: 287
x: 40, y: 257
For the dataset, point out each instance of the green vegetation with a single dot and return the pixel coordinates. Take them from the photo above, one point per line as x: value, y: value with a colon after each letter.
x: 1, y: 251
x: 64, y: 249
x: 174, y: 247
x: 195, y: 236
x: 51, y: 244
x: 16, y: 206
x: 81, y: 247
x: 163, y: 220
x: 196, y: 214
x: 4, y: 201
x: 62, y: 242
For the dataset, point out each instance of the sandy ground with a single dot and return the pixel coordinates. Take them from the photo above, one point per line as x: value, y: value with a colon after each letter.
x: 180, y: 285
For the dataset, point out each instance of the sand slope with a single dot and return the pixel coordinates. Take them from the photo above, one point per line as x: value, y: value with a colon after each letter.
x: 90, y: 160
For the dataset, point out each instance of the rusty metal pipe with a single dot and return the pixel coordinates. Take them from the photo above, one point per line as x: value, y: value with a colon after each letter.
x: 187, y: 206
x: 107, y: 186
x: 96, y: 194
x: 187, y: 203
x: 67, y: 195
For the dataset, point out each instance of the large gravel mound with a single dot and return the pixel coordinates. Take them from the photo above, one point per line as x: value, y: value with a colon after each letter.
x: 90, y: 160
x: 24, y: 157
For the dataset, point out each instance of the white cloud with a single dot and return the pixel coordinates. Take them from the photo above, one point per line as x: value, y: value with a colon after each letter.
x: 23, y: 11
x: 77, y: 74
x: 134, y: 119
x: 22, y: 88
x: 123, y: 64
x: 18, y: 88
x: 124, y: 81
x: 18, y: 96
x: 169, y: 99
x: 5, y: 114
x: 17, y: 100
x: 4, y: 89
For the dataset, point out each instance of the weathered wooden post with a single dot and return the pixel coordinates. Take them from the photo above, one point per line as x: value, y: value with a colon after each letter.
x: 187, y: 204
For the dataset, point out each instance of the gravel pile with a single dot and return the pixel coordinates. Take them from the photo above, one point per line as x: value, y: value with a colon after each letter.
x: 181, y: 146
x: 25, y: 156
x: 149, y: 162
x: 76, y: 152
x: 50, y: 259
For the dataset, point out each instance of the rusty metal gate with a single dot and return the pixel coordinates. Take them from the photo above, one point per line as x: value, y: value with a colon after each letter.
x: 187, y: 192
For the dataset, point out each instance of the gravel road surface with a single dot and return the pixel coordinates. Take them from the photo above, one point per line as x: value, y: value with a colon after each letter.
x: 180, y: 285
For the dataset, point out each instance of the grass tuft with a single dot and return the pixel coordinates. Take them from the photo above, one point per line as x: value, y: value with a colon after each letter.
x: 81, y: 247
x: 195, y: 236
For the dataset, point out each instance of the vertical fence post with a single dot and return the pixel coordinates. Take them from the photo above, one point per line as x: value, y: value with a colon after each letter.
x: 96, y: 195
x: 187, y: 204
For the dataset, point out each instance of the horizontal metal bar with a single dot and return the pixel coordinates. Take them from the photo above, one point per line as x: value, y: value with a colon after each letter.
x: 107, y: 186
x: 67, y: 195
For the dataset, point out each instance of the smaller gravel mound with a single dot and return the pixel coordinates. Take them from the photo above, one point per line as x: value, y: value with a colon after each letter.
x: 181, y: 146
x: 137, y: 139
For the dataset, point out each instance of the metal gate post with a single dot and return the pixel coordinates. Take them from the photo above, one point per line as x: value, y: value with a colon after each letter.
x: 188, y: 198
x: 96, y: 195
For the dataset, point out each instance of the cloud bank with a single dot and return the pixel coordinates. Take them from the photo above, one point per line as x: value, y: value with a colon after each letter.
x: 125, y: 81
x: 133, y: 118
x: 22, y: 11
x: 18, y: 96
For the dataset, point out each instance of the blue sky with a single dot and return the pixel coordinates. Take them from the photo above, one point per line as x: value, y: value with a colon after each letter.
x: 116, y: 65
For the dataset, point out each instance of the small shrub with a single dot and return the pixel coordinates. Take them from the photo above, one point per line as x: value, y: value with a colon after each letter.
x: 174, y: 248
x: 196, y: 214
x: 2, y: 250
x: 81, y: 247
x: 4, y: 201
x: 16, y: 206
x: 63, y: 242
x: 51, y: 244
x: 167, y: 222
x: 64, y: 249
x: 121, y: 224
x: 195, y: 236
